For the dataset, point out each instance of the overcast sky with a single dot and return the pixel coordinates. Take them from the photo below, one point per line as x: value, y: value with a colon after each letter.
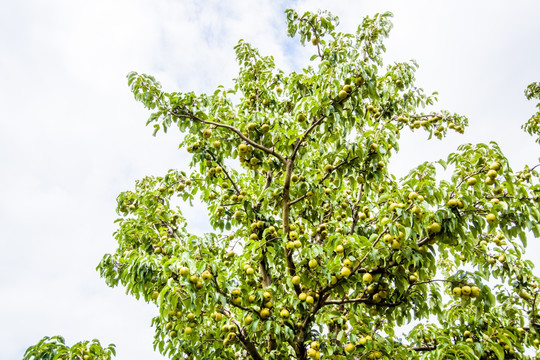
x: 72, y: 137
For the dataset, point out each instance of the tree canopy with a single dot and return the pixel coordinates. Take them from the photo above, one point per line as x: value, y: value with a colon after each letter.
x: 316, y: 249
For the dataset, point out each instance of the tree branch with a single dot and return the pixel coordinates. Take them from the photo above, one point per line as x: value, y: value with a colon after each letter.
x: 226, y: 173
x: 235, y: 130
x: 189, y: 115
x: 243, y: 337
x: 424, y: 348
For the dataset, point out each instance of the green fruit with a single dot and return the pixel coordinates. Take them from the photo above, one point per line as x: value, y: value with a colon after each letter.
x: 206, y: 275
x: 184, y: 271
x: 313, y: 263
x: 342, y: 94
x: 310, y: 299
x: 466, y: 290
x: 265, y: 313
x: 296, y: 280
x: 188, y: 330
x: 452, y: 203
x: 491, y: 218
x: 242, y: 148
x: 207, y: 133
x: 471, y: 181
x: 434, y: 228
x: 284, y: 313
x: 492, y: 174
x: 367, y: 278
x: 238, y: 215
x: 456, y: 291
x: 349, y: 347
x: 495, y: 166
x: 345, y: 272
x: 524, y: 295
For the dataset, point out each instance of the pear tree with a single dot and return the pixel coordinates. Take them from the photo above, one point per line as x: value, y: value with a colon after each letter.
x: 315, y: 249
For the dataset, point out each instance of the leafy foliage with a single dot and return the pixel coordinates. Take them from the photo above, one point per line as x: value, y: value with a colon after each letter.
x: 532, y: 126
x: 316, y: 249
x: 54, y: 348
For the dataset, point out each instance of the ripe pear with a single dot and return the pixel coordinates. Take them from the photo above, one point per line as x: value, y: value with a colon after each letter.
x: 345, y: 272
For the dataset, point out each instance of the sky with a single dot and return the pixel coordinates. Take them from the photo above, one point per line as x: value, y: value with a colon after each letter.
x: 72, y: 137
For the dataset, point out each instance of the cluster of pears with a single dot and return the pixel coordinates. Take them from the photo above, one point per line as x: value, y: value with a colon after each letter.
x: 393, y: 241
x: 294, y: 242
x: 345, y: 92
x: 338, y: 323
x: 309, y: 296
x: 377, y: 291
x: 247, y: 157
x: 264, y: 312
x: 161, y: 247
x: 255, y: 97
x: 314, y: 350
x: 234, y: 197
x: 194, y: 279
x: 429, y: 121
x: 191, y: 324
x: 466, y: 292
x: 492, y: 173
x: 253, y: 127
x: 213, y: 171
x: 230, y: 331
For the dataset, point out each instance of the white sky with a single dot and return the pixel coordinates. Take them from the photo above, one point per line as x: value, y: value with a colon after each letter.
x: 72, y: 137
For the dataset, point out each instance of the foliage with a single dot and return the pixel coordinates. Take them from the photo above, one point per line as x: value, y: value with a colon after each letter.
x: 317, y: 250
x: 54, y: 348
x: 532, y: 126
